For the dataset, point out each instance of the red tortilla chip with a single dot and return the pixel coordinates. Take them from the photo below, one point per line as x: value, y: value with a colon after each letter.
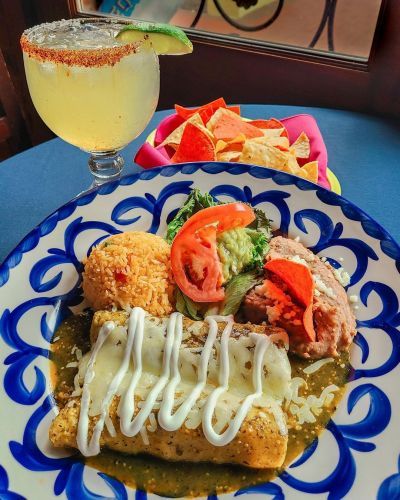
x: 206, y: 111
x: 234, y: 146
x: 235, y: 109
x: 195, y: 145
x: 206, y: 114
x: 174, y: 138
x: 300, y: 283
x: 185, y: 113
x: 272, y: 123
x: 227, y: 125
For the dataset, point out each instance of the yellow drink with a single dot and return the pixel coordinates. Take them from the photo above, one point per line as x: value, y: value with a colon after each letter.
x: 89, y: 88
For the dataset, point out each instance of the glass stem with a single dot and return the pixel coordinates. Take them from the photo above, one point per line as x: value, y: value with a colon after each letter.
x: 105, y: 166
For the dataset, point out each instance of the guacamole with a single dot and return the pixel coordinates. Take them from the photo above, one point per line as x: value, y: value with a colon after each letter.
x: 240, y: 249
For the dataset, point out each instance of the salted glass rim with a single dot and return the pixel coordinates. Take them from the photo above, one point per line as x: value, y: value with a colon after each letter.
x: 79, y: 56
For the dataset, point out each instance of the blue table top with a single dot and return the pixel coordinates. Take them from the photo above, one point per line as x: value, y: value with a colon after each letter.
x: 364, y: 153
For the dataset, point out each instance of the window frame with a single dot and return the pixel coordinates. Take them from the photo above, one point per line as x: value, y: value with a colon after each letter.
x: 267, y: 75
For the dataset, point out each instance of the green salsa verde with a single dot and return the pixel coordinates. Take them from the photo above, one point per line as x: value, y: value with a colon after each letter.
x: 182, y: 479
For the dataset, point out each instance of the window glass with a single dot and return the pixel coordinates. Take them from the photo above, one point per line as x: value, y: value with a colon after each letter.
x: 336, y: 27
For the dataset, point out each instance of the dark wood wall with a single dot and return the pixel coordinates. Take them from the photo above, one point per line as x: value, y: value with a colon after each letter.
x: 16, y: 16
x: 238, y: 73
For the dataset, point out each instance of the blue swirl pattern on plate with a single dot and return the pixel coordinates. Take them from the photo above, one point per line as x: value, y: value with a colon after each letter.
x: 5, y: 493
x: 55, y: 287
x: 390, y: 487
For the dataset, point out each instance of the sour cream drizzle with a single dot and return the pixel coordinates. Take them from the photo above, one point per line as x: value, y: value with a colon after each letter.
x: 165, y: 387
x: 261, y: 344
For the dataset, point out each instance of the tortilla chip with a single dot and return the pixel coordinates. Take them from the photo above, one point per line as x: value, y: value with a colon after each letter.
x: 241, y: 138
x: 227, y: 125
x: 225, y: 146
x: 235, y: 144
x: 264, y: 155
x: 271, y: 124
x: 235, y: 109
x: 301, y: 146
x: 309, y: 171
x: 216, y: 131
x: 281, y: 143
x: 238, y: 146
x: 220, y: 146
x: 175, y: 137
x: 300, y: 283
x: 186, y: 113
x: 293, y: 165
x: 195, y: 145
x: 206, y: 111
x: 272, y: 132
x: 228, y: 156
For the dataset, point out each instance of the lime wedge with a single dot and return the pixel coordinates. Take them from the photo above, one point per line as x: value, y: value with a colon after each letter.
x: 164, y: 38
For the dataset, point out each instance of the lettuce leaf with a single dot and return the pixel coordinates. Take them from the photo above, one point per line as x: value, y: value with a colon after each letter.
x: 236, y: 290
x: 261, y: 223
x: 260, y: 248
x: 188, y: 307
x: 195, y: 202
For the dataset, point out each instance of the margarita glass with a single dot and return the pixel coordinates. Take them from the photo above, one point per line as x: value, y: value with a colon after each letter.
x: 91, y: 89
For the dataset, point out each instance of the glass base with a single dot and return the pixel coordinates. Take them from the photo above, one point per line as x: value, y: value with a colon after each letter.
x: 105, y: 166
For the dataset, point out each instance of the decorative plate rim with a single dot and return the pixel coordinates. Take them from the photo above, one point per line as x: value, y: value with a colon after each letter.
x: 30, y: 240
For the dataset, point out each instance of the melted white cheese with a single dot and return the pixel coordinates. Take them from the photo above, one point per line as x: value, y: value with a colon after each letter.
x: 149, y: 363
x: 317, y: 365
x: 305, y: 409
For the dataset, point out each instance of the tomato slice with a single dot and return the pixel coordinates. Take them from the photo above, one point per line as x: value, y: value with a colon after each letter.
x: 194, y: 258
x: 300, y: 283
x: 196, y: 266
x: 225, y: 217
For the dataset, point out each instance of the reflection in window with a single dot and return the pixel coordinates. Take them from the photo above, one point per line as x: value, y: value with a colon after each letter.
x: 336, y: 26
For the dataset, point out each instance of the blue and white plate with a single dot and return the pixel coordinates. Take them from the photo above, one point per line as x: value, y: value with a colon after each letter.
x: 357, y: 456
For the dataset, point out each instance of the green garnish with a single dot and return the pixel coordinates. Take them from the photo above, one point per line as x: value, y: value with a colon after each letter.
x: 261, y: 223
x: 188, y: 307
x: 236, y: 290
x: 164, y: 38
x: 195, y: 201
